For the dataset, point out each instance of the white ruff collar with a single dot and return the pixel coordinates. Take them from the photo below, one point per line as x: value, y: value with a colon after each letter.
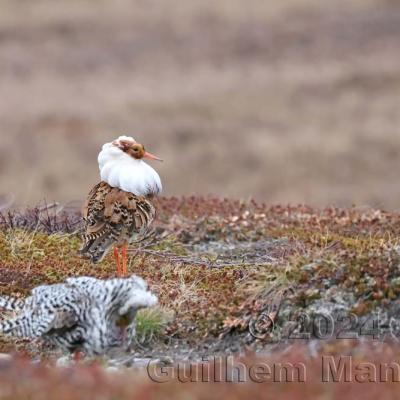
x: 121, y: 170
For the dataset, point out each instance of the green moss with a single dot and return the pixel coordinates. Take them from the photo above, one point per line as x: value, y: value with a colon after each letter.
x: 151, y: 324
x: 311, y: 251
x: 170, y: 244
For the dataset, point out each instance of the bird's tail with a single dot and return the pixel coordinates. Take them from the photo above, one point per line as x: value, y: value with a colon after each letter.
x: 10, y: 327
x: 26, y: 326
x: 97, y: 248
x: 11, y: 303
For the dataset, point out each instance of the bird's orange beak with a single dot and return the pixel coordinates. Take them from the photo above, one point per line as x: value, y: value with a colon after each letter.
x: 151, y: 156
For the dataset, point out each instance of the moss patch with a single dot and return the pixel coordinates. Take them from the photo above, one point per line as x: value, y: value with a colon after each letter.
x: 213, y: 261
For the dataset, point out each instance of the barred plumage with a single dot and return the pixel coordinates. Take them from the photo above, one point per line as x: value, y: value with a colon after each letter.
x: 11, y: 303
x: 114, y: 217
x: 85, y: 314
x: 118, y: 210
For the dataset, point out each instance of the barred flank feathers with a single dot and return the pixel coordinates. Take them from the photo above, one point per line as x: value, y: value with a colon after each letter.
x: 11, y: 303
x: 114, y: 217
x: 20, y: 327
x: 7, y: 327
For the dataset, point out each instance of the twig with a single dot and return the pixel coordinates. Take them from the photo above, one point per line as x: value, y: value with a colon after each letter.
x: 172, y: 257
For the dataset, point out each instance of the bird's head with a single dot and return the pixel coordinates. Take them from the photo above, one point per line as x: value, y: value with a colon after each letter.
x: 136, y: 150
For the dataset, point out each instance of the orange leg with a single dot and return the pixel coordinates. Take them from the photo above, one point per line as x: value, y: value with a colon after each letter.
x: 78, y: 356
x: 124, y: 267
x: 116, y: 257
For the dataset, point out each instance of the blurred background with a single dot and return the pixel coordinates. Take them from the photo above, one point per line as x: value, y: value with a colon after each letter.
x: 285, y: 101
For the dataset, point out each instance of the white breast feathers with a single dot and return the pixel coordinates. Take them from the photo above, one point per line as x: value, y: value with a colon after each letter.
x: 120, y: 170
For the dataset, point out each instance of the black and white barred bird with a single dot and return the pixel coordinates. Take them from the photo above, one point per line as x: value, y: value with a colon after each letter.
x: 83, y: 314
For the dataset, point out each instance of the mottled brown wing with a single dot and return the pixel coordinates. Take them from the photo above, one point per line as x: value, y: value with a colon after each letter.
x: 114, y: 217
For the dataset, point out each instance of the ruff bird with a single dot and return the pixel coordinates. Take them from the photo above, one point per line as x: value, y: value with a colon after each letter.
x: 83, y: 314
x: 119, y: 209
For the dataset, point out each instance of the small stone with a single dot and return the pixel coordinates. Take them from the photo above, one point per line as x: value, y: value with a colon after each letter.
x: 112, y: 370
x: 166, y: 360
x: 63, y: 362
x: 5, y: 357
x: 395, y: 281
x: 142, y: 362
x: 310, y: 267
x: 313, y: 294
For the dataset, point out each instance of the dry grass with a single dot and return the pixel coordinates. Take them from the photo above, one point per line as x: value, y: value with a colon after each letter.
x: 217, y: 264
x: 318, y: 259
